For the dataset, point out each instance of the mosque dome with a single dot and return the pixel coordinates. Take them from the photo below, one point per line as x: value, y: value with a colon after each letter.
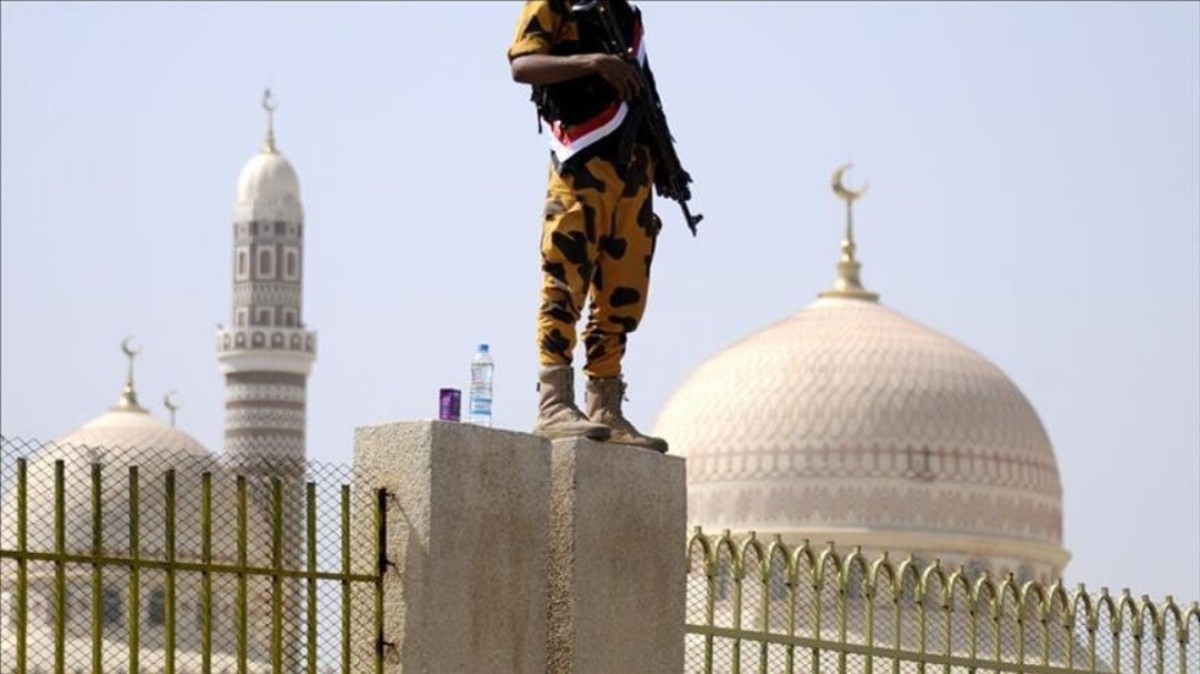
x: 850, y: 422
x: 123, y: 437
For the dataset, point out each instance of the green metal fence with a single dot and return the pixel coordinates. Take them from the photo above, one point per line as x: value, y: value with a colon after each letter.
x: 772, y: 607
x: 132, y: 560
x: 113, y: 561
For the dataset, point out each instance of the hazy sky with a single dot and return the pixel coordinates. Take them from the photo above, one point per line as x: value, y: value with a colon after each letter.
x: 1034, y: 173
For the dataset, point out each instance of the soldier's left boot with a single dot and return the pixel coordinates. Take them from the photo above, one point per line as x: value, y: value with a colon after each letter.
x: 604, y: 397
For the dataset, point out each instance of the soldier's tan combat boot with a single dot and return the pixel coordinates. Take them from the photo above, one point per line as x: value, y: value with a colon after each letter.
x: 558, y: 417
x: 604, y: 397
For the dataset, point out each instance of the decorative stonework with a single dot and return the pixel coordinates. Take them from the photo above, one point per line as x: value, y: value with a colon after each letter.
x: 266, y: 353
x: 270, y: 339
x: 945, y: 464
x: 236, y: 392
x: 864, y: 503
x: 266, y: 293
x: 252, y: 448
x: 260, y: 417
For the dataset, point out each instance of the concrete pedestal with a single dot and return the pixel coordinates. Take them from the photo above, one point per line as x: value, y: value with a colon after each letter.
x: 467, y: 532
x: 618, y: 518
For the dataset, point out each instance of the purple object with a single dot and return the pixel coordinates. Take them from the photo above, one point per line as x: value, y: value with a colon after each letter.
x: 449, y: 404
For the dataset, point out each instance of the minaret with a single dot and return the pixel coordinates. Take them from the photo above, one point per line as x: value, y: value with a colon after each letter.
x: 266, y: 352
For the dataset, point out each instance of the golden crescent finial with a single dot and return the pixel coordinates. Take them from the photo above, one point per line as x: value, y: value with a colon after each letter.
x: 170, y: 404
x: 269, y: 106
x: 848, y: 195
x: 128, y: 400
x: 126, y: 346
x: 848, y: 283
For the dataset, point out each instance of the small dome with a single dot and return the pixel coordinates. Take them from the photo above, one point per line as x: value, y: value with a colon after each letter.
x: 268, y: 188
x: 268, y: 177
x: 848, y: 421
x: 116, y: 441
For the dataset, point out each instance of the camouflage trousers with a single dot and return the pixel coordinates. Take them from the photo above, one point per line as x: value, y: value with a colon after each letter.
x: 598, y: 238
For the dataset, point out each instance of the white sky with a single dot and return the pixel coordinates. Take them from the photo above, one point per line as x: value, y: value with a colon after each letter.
x: 1034, y: 172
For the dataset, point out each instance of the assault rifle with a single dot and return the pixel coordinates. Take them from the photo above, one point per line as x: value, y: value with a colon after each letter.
x: 670, y: 178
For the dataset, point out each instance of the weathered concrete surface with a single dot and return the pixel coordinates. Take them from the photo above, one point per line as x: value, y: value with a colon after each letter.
x: 618, y: 518
x: 467, y: 531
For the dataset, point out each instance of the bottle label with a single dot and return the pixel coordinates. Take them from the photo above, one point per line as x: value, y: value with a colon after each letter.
x: 481, y: 405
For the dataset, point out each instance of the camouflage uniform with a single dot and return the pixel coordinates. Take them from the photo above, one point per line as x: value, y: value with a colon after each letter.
x: 599, y: 228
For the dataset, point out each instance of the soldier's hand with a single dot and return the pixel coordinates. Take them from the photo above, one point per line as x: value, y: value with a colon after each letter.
x: 621, y: 74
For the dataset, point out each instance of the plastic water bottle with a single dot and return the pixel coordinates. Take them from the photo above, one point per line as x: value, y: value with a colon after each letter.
x: 479, y: 405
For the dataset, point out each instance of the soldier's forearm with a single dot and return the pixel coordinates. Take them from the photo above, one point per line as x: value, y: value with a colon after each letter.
x: 539, y: 69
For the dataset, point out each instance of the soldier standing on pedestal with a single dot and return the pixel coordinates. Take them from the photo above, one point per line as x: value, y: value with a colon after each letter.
x: 595, y: 93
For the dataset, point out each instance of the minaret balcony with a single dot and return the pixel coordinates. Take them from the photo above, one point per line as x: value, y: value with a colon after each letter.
x: 266, y: 347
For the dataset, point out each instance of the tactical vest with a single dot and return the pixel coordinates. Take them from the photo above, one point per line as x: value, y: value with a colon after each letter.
x: 584, y: 114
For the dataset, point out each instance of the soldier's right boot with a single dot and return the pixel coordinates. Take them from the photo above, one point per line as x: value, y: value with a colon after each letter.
x: 558, y: 417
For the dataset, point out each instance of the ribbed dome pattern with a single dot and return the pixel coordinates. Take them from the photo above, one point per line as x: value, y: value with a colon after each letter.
x: 129, y: 429
x: 848, y: 415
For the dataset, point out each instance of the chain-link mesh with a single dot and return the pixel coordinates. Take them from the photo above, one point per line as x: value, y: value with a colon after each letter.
x: 1189, y: 651
x: 119, y: 560
x: 114, y: 560
x: 754, y: 605
x: 827, y: 614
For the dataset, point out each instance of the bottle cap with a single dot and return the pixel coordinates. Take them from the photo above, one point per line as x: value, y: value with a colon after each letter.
x: 483, y: 348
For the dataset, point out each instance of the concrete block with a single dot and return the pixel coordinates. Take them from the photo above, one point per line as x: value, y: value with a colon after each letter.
x: 618, y: 521
x: 467, y: 530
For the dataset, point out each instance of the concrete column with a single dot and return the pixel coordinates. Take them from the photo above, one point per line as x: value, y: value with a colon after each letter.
x: 467, y: 532
x: 618, y: 521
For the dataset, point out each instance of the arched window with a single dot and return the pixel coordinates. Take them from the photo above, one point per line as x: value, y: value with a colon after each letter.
x: 855, y: 582
x: 112, y: 607
x: 156, y: 608
x: 1025, y: 573
x: 266, y: 263
x: 777, y: 583
x: 724, y: 579
x: 976, y: 569
x: 46, y: 605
